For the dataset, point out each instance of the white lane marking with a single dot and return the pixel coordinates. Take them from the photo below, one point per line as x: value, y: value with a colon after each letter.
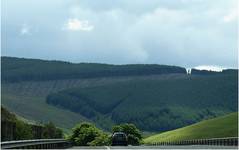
x: 107, y: 147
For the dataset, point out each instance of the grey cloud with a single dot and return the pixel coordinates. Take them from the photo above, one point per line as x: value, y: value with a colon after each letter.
x: 181, y: 32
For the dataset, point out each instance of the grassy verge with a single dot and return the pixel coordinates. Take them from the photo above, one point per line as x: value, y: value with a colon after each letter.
x: 225, y: 126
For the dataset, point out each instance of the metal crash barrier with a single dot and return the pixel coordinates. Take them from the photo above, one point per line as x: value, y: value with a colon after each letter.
x: 36, y: 144
x: 229, y: 141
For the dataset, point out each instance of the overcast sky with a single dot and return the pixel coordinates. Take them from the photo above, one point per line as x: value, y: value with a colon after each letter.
x: 186, y: 33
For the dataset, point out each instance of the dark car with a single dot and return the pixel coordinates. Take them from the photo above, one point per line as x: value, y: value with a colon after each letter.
x: 119, y: 139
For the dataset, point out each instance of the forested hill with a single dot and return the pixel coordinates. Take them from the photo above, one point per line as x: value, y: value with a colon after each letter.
x: 153, y: 97
x: 21, y: 69
x: 154, y: 105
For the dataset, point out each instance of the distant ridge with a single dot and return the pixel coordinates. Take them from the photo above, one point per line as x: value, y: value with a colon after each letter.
x: 21, y: 69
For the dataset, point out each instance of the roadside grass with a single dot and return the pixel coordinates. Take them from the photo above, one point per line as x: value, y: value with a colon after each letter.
x: 224, y: 126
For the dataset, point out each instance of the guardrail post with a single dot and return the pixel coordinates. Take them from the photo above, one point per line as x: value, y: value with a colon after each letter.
x: 231, y: 142
x: 235, y: 141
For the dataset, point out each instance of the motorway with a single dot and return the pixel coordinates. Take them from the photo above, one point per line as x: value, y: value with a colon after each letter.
x: 154, y: 147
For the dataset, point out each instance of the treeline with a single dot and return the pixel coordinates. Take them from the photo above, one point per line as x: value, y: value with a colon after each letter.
x: 154, y: 105
x: 20, y: 69
x: 14, y: 129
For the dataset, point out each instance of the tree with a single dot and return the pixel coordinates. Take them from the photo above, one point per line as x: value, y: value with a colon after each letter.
x: 23, y: 131
x: 133, y: 140
x: 132, y: 132
x: 101, y: 140
x: 86, y: 134
x: 50, y: 131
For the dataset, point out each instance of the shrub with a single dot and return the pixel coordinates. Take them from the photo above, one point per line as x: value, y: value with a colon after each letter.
x: 132, y: 132
x: 86, y: 134
x: 101, y: 140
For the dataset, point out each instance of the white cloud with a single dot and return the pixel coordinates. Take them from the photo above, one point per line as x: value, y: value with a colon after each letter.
x: 210, y: 68
x: 75, y: 24
x: 230, y: 17
x: 25, y: 30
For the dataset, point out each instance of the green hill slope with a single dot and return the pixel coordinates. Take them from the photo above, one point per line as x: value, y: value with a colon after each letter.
x: 154, y: 97
x: 35, y: 108
x: 225, y: 126
x: 156, y: 104
x: 28, y: 98
x: 6, y: 115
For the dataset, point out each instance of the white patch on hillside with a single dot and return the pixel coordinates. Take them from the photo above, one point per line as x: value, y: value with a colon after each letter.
x: 210, y: 68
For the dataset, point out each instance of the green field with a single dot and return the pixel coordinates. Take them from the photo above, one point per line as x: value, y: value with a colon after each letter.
x: 225, y: 126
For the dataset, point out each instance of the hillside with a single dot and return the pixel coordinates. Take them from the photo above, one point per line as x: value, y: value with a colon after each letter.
x: 225, y: 126
x: 14, y: 127
x: 6, y: 115
x: 20, y: 69
x: 153, y: 105
x: 154, y: 97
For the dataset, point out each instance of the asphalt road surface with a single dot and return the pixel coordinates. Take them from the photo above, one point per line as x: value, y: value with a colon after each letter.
x: 154, y: 147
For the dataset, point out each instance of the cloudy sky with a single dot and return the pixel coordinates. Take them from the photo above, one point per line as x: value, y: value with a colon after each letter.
x: 186, y: 33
